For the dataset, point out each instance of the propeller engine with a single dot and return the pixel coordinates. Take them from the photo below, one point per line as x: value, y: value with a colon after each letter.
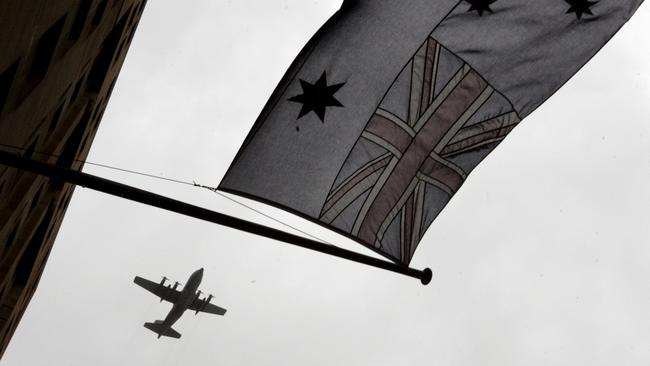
x: 204, y: 303
x: 176, y: 285
x: 198, y: 294
x: 162, y: 283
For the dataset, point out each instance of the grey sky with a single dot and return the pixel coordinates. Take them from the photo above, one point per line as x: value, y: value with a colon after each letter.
x: 552, y: 268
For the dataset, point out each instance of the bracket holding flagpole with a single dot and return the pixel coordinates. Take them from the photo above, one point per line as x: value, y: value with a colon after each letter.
x: 152, y: 199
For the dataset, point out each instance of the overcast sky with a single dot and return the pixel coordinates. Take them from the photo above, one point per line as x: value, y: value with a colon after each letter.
x: 542, y: 258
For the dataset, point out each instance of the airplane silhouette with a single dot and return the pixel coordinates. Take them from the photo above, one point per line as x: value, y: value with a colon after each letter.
x: 188, y: 298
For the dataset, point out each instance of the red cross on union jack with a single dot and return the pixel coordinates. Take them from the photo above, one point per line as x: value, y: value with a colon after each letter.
x: 419, y: 151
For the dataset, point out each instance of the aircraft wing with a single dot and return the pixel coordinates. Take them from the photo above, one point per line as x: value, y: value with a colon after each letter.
x: 163, y: 292
x: 205, y: 307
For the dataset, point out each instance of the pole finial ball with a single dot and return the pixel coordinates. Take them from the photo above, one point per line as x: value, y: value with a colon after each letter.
x: 426, y: 276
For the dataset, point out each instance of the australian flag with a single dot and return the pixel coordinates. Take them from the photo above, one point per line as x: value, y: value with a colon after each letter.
x: 389, y: 107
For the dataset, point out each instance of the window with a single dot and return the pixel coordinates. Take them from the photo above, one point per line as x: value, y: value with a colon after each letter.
x: 99, y: 112
x: 99, y: 118
x: 56, y: 117
x: 103, y: 61
x: 110, y: 88
x: 6, y: 79
x: 63, y: 201
x: 99, y: 12
x: 98, y: 108
x: 119, y: 51
x: 131, y: 35
x: 12, y: 237
x: 28, y: 259
x: 83, y: 143
x: 35, y: 199
x: 132, y: 14
x: 71, y: 147
x: 44, y: 51
x: 77, y: 88
x: 80, y: 19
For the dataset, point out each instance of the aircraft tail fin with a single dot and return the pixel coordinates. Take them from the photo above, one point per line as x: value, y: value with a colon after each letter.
x: 157, y: 328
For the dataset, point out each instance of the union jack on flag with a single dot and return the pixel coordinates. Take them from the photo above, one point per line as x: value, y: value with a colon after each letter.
x: 416, y: 151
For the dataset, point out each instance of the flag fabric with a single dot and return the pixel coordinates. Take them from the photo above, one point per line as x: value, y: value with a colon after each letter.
x: 388, y: 108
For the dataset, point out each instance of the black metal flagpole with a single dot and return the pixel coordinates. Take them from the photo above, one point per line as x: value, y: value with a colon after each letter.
x: 166, y: 203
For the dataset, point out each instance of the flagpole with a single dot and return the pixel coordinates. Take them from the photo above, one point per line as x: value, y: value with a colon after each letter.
x: 149, y: 198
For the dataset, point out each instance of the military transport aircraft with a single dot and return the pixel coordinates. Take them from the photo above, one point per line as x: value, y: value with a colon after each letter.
x: 188, y: 298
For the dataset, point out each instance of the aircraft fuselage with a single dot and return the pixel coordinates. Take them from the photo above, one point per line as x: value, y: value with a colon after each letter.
x: 185, y: 299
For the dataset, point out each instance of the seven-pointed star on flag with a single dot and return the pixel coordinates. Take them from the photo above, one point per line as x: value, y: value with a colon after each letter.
x: 580, y: 7
x: 317, y: 97
x: 480, y: 6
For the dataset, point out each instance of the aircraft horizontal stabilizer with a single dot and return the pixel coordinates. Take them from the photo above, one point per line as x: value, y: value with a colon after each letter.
x: 158, y: 329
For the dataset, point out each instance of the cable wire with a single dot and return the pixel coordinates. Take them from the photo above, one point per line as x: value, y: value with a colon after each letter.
x: 194, y: 184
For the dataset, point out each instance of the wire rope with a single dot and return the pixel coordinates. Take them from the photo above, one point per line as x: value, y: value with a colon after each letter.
x: 177, y: 181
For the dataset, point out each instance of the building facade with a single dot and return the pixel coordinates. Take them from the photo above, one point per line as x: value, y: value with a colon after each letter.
x: 58, y: 65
